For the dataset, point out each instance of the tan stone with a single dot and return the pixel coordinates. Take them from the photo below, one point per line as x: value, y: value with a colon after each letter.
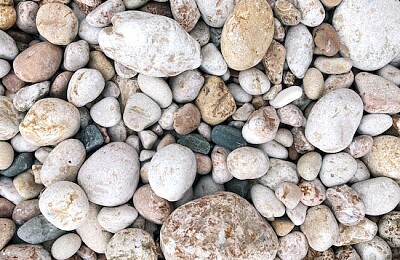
x: 99, y: 61
x: 282, y: 227
x: 7, y: 230
x: 273, y: 62
x: 8, y: 17
x: 287, y: 13
x: 326, y: 40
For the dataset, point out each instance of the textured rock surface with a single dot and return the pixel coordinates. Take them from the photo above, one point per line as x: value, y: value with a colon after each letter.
x: 9, y: 119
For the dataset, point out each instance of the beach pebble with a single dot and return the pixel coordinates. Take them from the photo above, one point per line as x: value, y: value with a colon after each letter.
x: 7, y: 230
x: 390, y: 73
x: 286, y: 96
x: 312, y: 12
x: 25, y: 211
x: 110, y: 175
x: 102, y: 14
x: 201, y: 33
x: 284, y: 137
x: 57, y: 23
x: 266, y: 203
x: 26, y: 16
x: 131, y: 243
x: 313, y: 192
x: 186, y: 86
x: 220, y: 172
x: 380, y: 195
x: 65, y: 205
x: 287, y: 13
x: 320, y: 228
x: 186, y: 119
x: 172, y: 171
x: 6, y: 208
x: 278, y: 172
x: 27, y: 96
x: 59, y: 86
x: 166, y: 120
x: 38, y: 62
x: 326, y: 40
x: 360, y: 146
x: 215, y: 14
x: 239, y: 94
x: 346, y: 252
x: 299, y: 49
x: 150, y: 206
x: 361, y: 174
x: 289, y: 194
x: 309, y: 165
x: 254, y: 82
x: 282, y: 227
x: 247, y: 34
x: 274, y: 149
x: 243, y: 113
x: 106, y: 112
x: 378, y: 94
x: 118, y: 218
x: 383, y: 159
x: 50, y: 113
x: 273, y: 62
x: 147, y: 138
x: 124, y: 71
x: 293, y: 246
x: 178, y: 53
x: 364, y: 231
x: 186, y: 13
x: 203, y: 163
x: 337, y: 169
x: 338, y: 81
x: 207, y: 186
x: 5, y: 68
x: 38, y: 230
x: 291, y: 115
x: 26, y: 186
x: 21, y: 163
x: 85, y: 86
x: 333, y: 120
x: 156, y: 88
x: 313, y: 83
x: 376, y: 248
x: 215, y: 102
x: 89, y: 33
x: 66, y: 246
x: 333, y: 65
x: 76, y: 55
x: 378, y: 44
x: 388, y: 228
x: 298, y: 214
x: 7, y: 155
x: 374, y: 124
x: 8, y: 191
x: 212, y: 61
x: 141, y: 112
x: 213, y: 209
x: 247, y: 163
x: 8, y: 18
x: 92, y: 233
x: 25, y: 251
x: 8, y: 49
x: 346, y: 204
x: 262, y: 126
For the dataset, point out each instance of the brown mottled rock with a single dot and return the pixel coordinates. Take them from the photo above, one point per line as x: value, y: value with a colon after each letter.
x: 25, y: 251
x: 362, y: 232
x: 8, y: 17
x: 360, y: 146
x: 6, y: 208
x: 338, y: 81
x: 389, y: 228
x: 326, y: 40
x: 158, y: 8
x: 346, y: 204
x: 293, y: 246
x: 291, y: 115
x: 346, y: 252
x: 203, y: 163
x: 301, y: 144
x: 313, y: 192
x: 273, y: 62
x: 12, y: 83
x: 231, y: 223
x: 7, y: 230
x: 26, y: 210
x: 26, y: 186
x: 287, y: 13
x: 151, y: 206
x: 262, y: 125
x: 185, y: 12
x: 38, y: 63
x: 247, y: 34
x: 98, y: 61
x: 215, y: 102
x: 60, y: 84
x: 186, y: 119
x: 324, y: 255
x: 9, y: 119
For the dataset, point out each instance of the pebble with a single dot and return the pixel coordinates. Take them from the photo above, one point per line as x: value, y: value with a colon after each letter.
x: 171, y: 58
x: 347, y: 252
x: 383, y: 159
x: 378, y: 44
x: 106, y: 112
x: 286, y: 96
x: 157, y: 89
x: 65, y: 205
x: 131, y: 243
x: 247, y: 34
x: 274, y: 149
x: 338, y: 81
x: 38, y: 230
x: 118, y: 218
x: 364, y: 231
x: 186, y: 13
x: 21, y: 163
x: 220, y: 172
x: 206, y: 186
x: 5, y: 68
x: 98, y: 61
x: 293, y: 246
x: 111, y: 90
x: 102, y: 14
x: 25, y: 184
x: 247, y: 163
x: 205, y: 131
x: 337, y: 169
x: 243, y: 113
x: 7, y: 155
x: 150, y: 206
x: 12, y: 83
x: 26, y: 16
x: 7, y: 230
x: 25, y: 210
x: 278, y: 172
x: 89, y: 33
x: 186, y: 86
x: 50, y: 113
x: 91, y: 138
x: 215, y: 101
x: 378, y: 94
x: 166, y: 120
x: 279, y: 30
x: 360, y: 146
x: 346, y: 204
x: 262, y: 126
x: 141, y: 112
x: 313, y: 84
x: 228, y: 136
x: 298, y: 214
x: 299, y: 49
x: 330, y: 127
x: 59, y: 86
x: 124, y: 71
x: 201, y: 33
x: 6, y: 208
x: 8, y: 49
x: 27, y: 96
x: 8, y: 191
x: 76, y: 55
x: 215, y: 14
x: 25, y: 251
x: 117, y: 159
x: 388, y: 228
x: 380, y: 195
x: 313, y: 254
x: 313, y: 192
x: 203, y: 164
x: 219, y: 238
x: 284, y: 137
x: 287, y: 13
x: 376, y: 248
x: 273, y: 62
x: 147, y: 138
x: 333, y: 65
x: 390, y: 73
x: 66, y: 246
x: 309, y: 165
x: 374, y: 124
x: 320, y: 228
x: 289, y: 194
x: 361, y: 174
x: 291, y: 115
x: 312, y: 12
x: 186, y: 119
x: 300, y: 142
x: 60, y: 29
x: 326, y: 40
x: 239, y: 95
x: 172, y: 171
x: 195, y: 142
x: 92, y: 233
x: 212, y: 61
x: 254, y: 82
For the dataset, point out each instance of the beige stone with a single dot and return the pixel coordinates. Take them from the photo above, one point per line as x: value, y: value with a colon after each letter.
x: 273, y: 62
x: 8, y: 17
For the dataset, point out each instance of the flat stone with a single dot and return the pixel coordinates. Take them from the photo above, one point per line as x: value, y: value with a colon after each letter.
x: 195, y: 142
x: 38, y: 230
x: 115, y: 219
x: 25, y: 251
x: 228, y: 136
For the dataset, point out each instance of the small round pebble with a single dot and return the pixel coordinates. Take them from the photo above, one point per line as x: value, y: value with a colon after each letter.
x: 265, y: 202
x: 293, y: 246
x: 337, y: 169
x: 247, y: 163
x: 207, y: 186
x: 186, y: 86
x: 309, y: 165
x: 313, y: 192
x: 289, y: 194
x: 254, y: 81
x: 76, y: 55
x: 374, y: 124
x: 7, y: 230
x: 377, y: 248
x: 313, y: 83
x: 118, y: 218
x: 66, y: 246
x: 388, y: 228
x: 106, y: 112
x: 186, y: 119
x: 7, y: 155
x: 156, y: 88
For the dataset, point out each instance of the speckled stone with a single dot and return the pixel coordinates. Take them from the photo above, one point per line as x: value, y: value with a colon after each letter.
x: 38, y: 230
x: 222, y: 238
x: 293, y: 246
x: 262, y: 126
x: 25, y: 251
x: 364, y: 231
x: 313, y: 192
x: 21, y: 163
x: 278, y: 172
x: 66, y: 246
x: 195, y: 142
x: 247, y: 163
x: 7, y: 230
x: 376, y: 248
x: 228, y: 136
x: 25, y: 211
x: 26, y: 186
x: 92, y: 138
x: 9, y: 119
x: 388, y: 228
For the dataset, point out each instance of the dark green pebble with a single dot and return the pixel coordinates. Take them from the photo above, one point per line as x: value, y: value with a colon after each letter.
x: 228, y: 136
x: 21, y: 163
x: 38, y: 230
x: 195, y: 142
x: 240, y: 187
x: 91, y: 138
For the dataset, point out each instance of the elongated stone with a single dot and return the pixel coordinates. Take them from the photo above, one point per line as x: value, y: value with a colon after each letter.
x: 195, y: 142
x: 38, y: 230
x: 21, y: 163
x: 228, y: 136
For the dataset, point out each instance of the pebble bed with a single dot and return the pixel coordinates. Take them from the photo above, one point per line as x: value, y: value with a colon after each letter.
x: 200, y: 129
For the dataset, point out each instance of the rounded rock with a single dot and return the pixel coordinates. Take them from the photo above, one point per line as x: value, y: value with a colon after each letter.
x: 289, y: 194
x: 313, y: 192
x: 8, y: 17
x: 266, y: 203
x: 376, y: 248
x: 8, y: 47
x: 102, y: 14
x: 374, y: 124
x: 7, y: 230
x: 215, y: 14
x: 309, y: 165
x: 262, y: 125
x: 212, y: 61
x: 326, y: 40
x: 312, y: 12
x: 313, y: 83
x: 118, y: 218
x: 293, y: 246
x: 76, y: 55
x: 186, y: 119
x: 254, y: 82
x: 388, y: 228
x: 66, y: 246
x: 7, y: 155
x: 247, y: 163
x: 186, y: 86
x: 106, y: 112
x: 155, y: 88
x: 26, y: 16
x: 337, y: 169
x: 333, y: 65
x: 27, y: 96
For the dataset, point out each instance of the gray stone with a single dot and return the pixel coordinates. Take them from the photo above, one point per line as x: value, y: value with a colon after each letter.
x: 38, y: 230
